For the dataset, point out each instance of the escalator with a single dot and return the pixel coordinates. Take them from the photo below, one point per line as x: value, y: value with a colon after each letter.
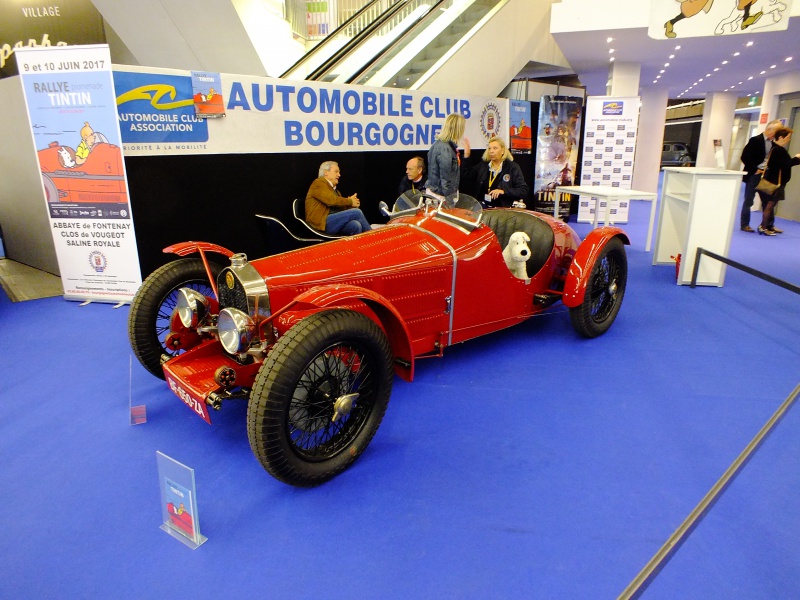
x: 410, y: 39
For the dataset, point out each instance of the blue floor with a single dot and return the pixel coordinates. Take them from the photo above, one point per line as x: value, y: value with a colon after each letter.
x: 530, y: 464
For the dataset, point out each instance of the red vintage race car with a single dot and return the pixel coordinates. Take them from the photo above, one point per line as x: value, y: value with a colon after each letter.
x: 312, y: 338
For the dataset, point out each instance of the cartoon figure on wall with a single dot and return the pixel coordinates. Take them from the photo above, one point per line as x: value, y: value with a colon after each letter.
x: 744, y: 15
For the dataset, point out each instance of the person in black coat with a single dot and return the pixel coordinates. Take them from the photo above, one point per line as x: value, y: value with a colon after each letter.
x: 497, y: 180
x: 778, y: 170
x: 754, y: 158
x: 415, y: 178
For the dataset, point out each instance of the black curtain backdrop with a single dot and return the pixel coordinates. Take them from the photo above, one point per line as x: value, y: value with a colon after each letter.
x: 213, y: 198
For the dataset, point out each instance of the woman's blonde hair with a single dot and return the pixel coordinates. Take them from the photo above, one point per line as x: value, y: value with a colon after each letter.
x: 503, y: 147
x: 453, y: 128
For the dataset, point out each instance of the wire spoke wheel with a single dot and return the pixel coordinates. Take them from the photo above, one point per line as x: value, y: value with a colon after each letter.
x: 604, y: 292
x: 320, y: 396
x: 151, y: 310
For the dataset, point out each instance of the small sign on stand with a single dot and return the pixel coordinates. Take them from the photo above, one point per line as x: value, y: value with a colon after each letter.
x: 179, y: 501
x: 139, y: 412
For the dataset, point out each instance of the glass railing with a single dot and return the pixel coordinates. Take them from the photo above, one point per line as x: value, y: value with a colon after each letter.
x: 362, y: 19
x: 403, y: 62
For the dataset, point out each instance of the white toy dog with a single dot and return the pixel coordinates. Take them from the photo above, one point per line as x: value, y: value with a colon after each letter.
x: 517, y: 253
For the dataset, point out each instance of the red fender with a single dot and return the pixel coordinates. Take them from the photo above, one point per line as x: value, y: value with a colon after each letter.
x: 582, y: 263
x: 185, y: 248
x: 396, y: 329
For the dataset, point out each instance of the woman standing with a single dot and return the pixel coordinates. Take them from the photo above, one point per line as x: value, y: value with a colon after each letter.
x: 498, y: 178
x: 778, y: 170
x: 444, y: 163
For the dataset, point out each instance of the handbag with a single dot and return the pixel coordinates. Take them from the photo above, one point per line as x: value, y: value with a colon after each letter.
x: 767, y: 187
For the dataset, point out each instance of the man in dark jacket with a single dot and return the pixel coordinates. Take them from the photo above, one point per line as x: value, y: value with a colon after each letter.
x: 754, y: 157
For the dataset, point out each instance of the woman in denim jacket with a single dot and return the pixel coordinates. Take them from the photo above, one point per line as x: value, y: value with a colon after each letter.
x: 443, y: 159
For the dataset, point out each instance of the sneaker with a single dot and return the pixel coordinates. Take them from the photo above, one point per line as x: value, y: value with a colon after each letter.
x: 748, y: 228
x: 763, y: 231
x: 384, y: 208
x: 776, y: 230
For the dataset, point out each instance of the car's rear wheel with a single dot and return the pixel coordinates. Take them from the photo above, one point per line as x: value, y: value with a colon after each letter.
x: 319, y: 397
x: 152, y: 306
x: 604, y: 291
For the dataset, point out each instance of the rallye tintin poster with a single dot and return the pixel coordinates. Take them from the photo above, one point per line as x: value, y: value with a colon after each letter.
x: 69, y: 94
x: 267, y: 115
x: 557, y: 145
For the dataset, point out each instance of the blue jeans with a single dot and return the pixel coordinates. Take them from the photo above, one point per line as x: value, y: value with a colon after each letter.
x: 347, y: 222
x: 749, y: 193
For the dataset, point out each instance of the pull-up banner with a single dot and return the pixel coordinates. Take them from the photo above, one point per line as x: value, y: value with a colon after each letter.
x: 266, y: 115
x: 69, y: 94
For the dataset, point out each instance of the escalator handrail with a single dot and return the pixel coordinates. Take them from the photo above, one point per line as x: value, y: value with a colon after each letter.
x: 307, y: 56
x: 397, y: 42
x: 354, y: 43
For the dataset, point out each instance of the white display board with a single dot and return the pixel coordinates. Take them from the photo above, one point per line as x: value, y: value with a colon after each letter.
x: 608, y: 151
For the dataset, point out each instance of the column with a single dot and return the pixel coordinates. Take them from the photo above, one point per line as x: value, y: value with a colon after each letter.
x: 650, y: 138
x: 717, y: 125
x: 623, y: 79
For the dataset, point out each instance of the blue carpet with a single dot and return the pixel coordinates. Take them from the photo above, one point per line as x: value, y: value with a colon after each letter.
x: 529, y: 464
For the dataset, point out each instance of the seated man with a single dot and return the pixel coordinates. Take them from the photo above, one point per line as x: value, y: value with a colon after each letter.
x: 330, y: 212
x: 413, y: 182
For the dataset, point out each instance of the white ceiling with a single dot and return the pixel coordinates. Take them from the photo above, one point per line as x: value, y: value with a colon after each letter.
x: 588, y: 54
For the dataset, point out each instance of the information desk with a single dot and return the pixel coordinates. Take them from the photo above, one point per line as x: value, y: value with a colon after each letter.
x: 609, y: 194
x: 698, y: 209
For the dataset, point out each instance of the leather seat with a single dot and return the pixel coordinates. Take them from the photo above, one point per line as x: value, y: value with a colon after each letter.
x: 505, y: 222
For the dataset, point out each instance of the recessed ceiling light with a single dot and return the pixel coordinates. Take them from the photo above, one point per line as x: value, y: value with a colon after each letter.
x: 762, y: 72
x: 611, y: 51
x: 672, y: 56
x: 748, y: 44
x: 749, y: 78
x: 611, y: 59
x: 609, y: 40
x: 701, y: 79
x: 724, y: 62
x: 666, y: 64
x: 677, y: 47
x: 658, y: 76
x: 773, y: 66
x: 788, y: 58
x: 716, y: 69
x: 740, y: 83
x: 736, y: 54
x: 654, y: 81
x: 661, y: 71
x: 708, y: 74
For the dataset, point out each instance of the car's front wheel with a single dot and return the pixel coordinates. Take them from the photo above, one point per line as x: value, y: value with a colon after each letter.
x: 151, y: 310
x: 604, y: 291
x: 320, y: 396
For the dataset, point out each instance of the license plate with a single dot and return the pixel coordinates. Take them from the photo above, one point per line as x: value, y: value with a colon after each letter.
x: 197, y: 404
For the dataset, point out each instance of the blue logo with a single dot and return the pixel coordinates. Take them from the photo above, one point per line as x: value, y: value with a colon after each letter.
x: 157, y: 109
x: 613, y: 107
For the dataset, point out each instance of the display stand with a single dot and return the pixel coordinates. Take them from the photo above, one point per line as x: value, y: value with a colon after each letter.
x: 179, y: 501
x: 603, y: 197
x: 698, y: 209
x: 138, y: 413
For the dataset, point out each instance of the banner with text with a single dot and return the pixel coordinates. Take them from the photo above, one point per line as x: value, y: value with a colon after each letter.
x: 609, y: 147
x: 265, y: 115
x: 69, y: 94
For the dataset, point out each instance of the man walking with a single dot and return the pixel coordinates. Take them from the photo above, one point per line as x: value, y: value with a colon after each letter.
x: 754, y: 157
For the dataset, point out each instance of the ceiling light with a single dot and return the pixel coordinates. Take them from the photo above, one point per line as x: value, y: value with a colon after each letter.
x: 654, y: 81
x: 677, y: 47
x: 749, y: 78
x: 773, y: 66
x: 716, y: 69
x: 748, y: 44
x: 762, y: 72
x: 672, y: 56
x: 666, y: 64
x: 724, y: 62
x: 708, y: 74
x: 788, y: 58
x: 611, y: 51
x: 736, y: 54
x: 661, y: 71
x: 701, y: 79
x: 740, y: 83
x: 609, y: 40
x: 611, y: 59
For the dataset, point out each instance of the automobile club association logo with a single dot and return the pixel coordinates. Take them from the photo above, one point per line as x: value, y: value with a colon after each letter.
x: 98, y: 261
x: 490, y: 120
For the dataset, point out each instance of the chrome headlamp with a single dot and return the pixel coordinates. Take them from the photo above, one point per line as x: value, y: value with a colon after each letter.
x: 192, y: 307
x: 235, y: 330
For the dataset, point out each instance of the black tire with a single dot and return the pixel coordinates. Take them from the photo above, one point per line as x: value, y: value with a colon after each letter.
x: 289, y: 417
x: 604, y: 292
x: 151, y: 309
